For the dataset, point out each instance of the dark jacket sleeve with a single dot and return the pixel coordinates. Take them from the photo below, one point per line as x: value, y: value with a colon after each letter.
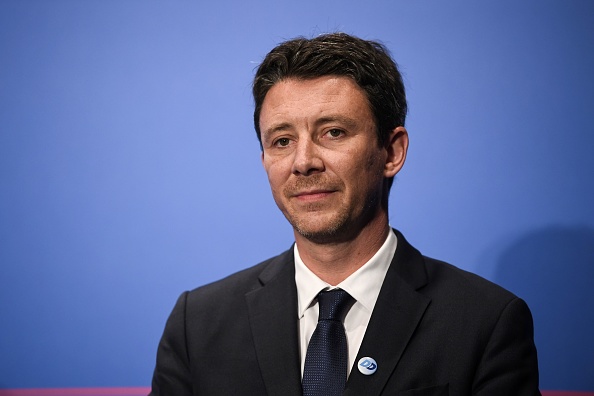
x: 509, y: 364
x: 172, y: 371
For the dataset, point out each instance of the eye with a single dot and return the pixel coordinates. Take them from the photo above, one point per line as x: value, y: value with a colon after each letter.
x: 282, y: 142
x: 335, y: 133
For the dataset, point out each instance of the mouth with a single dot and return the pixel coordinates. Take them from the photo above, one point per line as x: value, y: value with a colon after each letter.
x: 312, y: 195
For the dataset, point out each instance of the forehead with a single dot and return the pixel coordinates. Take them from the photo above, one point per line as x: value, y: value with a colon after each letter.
x: 310, y: 98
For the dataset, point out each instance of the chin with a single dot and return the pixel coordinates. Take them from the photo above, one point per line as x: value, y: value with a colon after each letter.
x: 328, y: 232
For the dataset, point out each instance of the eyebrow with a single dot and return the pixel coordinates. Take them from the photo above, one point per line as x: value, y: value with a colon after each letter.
x: 276, y: 128
x: 346, y: 121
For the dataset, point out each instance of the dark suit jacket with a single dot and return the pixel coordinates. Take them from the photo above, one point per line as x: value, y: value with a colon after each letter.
x: 435, y: 330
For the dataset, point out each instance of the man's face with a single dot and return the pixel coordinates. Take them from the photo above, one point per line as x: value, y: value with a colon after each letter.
x: 321, y: 153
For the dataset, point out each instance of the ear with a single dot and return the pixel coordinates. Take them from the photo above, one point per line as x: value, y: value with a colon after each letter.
x: 396, y: 147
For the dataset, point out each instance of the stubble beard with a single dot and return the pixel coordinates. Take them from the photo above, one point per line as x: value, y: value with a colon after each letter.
x: 331, y: 231
x: 314, y: 221
x: 323, y: 224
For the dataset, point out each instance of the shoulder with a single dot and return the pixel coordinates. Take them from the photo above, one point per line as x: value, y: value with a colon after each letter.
x: 443, y: 281
x: 449, y: 279
x: 470, y: 302
x: 207, y: 309
x: 236, y: 285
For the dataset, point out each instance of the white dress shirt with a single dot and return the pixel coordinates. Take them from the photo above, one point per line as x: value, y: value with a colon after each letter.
x: 363, y: 285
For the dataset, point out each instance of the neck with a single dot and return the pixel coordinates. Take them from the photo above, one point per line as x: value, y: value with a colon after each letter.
x: 333, y: 262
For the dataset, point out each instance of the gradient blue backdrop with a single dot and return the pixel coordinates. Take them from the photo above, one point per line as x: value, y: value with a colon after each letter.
x: 130, y: 171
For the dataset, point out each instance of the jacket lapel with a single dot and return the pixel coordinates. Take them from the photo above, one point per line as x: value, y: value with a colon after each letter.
x: 398, y: 311
x: 273, y: 320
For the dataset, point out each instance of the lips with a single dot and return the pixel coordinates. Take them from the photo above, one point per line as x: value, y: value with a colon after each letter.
x: 312, y: 194
x: 311, y: 188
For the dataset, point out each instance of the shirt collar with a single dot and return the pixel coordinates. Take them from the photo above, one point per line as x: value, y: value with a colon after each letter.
x: 363, y: 285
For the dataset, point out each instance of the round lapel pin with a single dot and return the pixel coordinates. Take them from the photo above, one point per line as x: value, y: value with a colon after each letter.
x: 367, y: 366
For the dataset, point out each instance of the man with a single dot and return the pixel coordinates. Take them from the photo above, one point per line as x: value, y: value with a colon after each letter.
x: 329, y: 114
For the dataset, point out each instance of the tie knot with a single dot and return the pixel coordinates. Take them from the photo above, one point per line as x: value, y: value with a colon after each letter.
x: 334, y: 304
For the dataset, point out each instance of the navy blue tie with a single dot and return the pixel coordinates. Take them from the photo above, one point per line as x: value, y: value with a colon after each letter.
x: 325, y: 370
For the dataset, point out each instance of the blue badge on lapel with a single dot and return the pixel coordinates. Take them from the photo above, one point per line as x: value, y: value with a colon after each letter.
x: 367, y: 366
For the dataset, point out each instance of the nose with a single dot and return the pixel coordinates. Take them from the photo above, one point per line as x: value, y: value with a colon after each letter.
x: 307, y: 158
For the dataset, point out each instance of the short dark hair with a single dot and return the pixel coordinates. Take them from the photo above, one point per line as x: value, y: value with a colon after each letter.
x: 368, y: 63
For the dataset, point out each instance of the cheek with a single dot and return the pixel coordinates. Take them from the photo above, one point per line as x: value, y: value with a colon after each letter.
x: 366, y: 172
x: 273, y: 181
x: 361, y: 164
x: 276, y: 175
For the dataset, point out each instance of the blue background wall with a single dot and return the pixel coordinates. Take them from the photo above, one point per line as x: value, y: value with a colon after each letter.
x: 129, y: 169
